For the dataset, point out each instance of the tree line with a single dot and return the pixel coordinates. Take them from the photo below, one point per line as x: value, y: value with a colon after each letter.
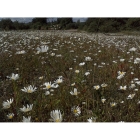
x: 90, y: 25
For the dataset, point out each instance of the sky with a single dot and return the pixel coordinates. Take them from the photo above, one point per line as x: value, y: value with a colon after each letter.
x: 29, y: 19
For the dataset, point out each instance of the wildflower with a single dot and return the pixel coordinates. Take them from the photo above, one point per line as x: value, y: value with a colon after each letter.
x: 40, y: 78
x: 132, y: 49
x: 72, y: 51
x: 92, y: 119
x: 120, y: 76
x: 73, y: 84
x: 122, y: 102
x: 29, y: 89
x: 83, y: 103
x: 76, y: 110
x: 135, y: 89
x: 122, y: 60
x: 14, y: 76
x: 26, y: 119
x: 123, y: 87
x: 77, y: 71
x: 52, y: 54
x: 59, y: 55
x: 121, y: 122
x: 114, y: 61
x: 138, y: 102
x: 17, y: 69
x: 26, y: 109
x: 103, y: 100
x: 137, y: 60
x: 10, y: 115
x: 100, y: 66
x: 21, y: 52
x: 42, y: 49
x: 48, y: 85
x: 103, y: 63
x: 135, y: 79
x: 75, y: 92
x: 59, y: 80
x: 7, y: 104
x: 56, y: 115
x: 47, y: 93
x: 54, y: 85
x: 131, y: 96
x: 70, y: 68
x: 96, y: 87
x: 82, y: 64
x: 87, y: 73
x: 132, y: 86
x: 103, y: 85
x: 121, y: 73
x: 113, y: 104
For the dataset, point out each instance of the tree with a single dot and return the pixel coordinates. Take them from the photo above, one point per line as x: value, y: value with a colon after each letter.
x: 38, y: 23
x: 64, y: 22
x: 6, y: 24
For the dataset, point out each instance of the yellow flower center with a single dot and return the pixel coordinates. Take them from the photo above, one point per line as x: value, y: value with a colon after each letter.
x: 29, y: 91
x: 36, y: 119
x: 75, y: 111
x: 48, y: 86
x: 58, y: 120
x: 96, y: 87
x: 113, y: 105
x: 10, y: 117
x: 41, y: 78
x: 59, y: 81
x: 75, y: 93
x: 121, y: 73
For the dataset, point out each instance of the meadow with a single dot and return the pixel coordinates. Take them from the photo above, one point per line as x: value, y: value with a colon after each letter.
x: 63, y: 76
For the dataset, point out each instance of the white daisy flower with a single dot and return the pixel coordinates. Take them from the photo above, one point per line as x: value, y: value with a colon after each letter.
x: 26, y: 109
x: 29, y: 89
x: 131, y: 96
x: 59, y: 80
x: 14, y: 76
x: 92, y: 119
x: 77, y: 71
x: 88, y: 58
x: 87, y: 73
x: 103, y: 85
x: 56, y: 115
x: 123, y: 87
x: 96, y: 87
x: 103, y: 100
x: 26, y: 119
x: 7, y: 104
x: 113, y: 104
x: 76, y: 110
x: 10, y: 115
x: 75, y: 92
x: 43, y: 49
x: 47, y: 93
x: 82, y: 64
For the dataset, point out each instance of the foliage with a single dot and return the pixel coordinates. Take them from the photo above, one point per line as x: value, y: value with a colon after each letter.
x: 104, y: 25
